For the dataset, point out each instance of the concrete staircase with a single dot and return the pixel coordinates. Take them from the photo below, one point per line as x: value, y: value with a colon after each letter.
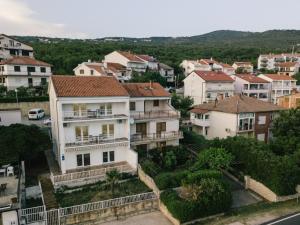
x: 48, y: 193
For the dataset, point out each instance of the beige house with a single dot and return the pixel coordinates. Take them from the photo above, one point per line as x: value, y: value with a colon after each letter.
x: 289, y: 101
x: 234, y: 116
x: 288, y: 68
x: 244, y: 67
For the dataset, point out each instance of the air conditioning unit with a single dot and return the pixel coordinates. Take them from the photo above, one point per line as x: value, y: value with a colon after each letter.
x: 120, y: 121
x: 227, y: 130
x: 66, y: 124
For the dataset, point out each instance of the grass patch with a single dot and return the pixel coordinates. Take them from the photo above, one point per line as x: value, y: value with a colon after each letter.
x: 100, y: 192
x: 33, y: 202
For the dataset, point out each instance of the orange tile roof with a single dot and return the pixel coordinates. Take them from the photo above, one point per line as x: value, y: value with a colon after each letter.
x: 87, y: 86
x: 145, y: 90
x: 147, y: 58
x: 115, y: 67
x: 287, y: 64
x: 238, y: 104
x: 24, y: 60
x: 251, y: 78
x: 278, y: 77
x: 98, y: 68
x: 130, y: 56
x: 243, y: 63
x: 225, y: 65
x: 214, y: 76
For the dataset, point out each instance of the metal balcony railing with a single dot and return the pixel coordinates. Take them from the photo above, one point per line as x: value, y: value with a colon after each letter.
x: 90, y: 114
x: 156, y: 136
x: 155, y: 114
x: 94, y: 140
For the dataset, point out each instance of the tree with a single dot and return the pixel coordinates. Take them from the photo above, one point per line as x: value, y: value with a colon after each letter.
x: 149, y: 76
x: 214, y: 158
x: 170, y: 160
x: 112, y: 178
x: 22, y: 142
x: 297, y: 77
x: 183, y: 104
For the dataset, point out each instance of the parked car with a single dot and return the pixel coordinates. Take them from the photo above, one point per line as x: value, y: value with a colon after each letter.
x: 36, y: 114
x: 47, y: 122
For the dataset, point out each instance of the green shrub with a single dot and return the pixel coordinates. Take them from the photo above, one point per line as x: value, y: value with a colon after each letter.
x: 25, y: 99
x: 197, y: 176
x: 150, y: 168
x: 170, y: 179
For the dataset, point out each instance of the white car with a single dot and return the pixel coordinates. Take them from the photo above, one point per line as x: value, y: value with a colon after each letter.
x: 36, y: 114
x: 47, y: 122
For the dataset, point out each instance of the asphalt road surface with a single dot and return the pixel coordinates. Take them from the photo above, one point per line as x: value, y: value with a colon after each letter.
x: 289, y: 220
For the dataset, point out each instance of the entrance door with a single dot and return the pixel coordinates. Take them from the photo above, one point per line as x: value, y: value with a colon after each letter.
x: 141, y: 128
x: 160, y: 127
x: 81, y: 133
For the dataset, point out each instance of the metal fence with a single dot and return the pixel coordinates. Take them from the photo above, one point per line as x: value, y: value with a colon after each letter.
x: 53, y: 217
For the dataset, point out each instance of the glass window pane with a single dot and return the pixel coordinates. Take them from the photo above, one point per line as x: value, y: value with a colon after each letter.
x: 86, y: 159
x: 79, y: 160
x: 105, y: 157
x: 104, y: 129
x: 112, y: 156
x: 111, y: 130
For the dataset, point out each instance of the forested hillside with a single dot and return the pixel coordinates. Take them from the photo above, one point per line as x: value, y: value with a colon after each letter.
x: 227, y: 46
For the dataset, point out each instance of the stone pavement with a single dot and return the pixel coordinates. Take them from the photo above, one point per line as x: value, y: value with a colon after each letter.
x: 153, y: 218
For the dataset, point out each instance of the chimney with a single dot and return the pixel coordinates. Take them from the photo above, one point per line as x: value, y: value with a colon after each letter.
x: 150, y: 84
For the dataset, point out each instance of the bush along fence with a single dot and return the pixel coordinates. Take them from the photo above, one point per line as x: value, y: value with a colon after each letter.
x: 181, y: 211
x: 101, y: 211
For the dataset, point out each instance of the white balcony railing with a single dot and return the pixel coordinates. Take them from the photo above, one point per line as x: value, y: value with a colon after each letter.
x: 155, y: 114
x: 94, y: 140
x: 90, y: 114
x: 201, y: 122
x: 135, y: 138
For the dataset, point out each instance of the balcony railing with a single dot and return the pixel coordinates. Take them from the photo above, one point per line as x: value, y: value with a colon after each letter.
x: 155, y: 114
x: 90, y: 114
x: 156, y: 136
x: 94, y: 140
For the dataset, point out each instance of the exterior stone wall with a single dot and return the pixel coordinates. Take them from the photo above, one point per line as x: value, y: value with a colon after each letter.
x: 26, y: 106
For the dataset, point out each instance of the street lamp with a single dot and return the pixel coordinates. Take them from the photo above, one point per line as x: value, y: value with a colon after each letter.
x: 16, y: 90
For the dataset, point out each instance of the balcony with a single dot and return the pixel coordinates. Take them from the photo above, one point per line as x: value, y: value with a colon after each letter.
x: 91, y: 114
x: 201, y: 122
x: 95, y: 141
x: 155, y: 114
x: 146, y: 138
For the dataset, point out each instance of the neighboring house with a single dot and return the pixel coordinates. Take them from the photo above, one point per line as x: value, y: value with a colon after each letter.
x: 118, y: 71
x: 269, y: 61
x: 237, y: 115
x: 10, y: 116
x: 90, y: 69
x: 291, y: 101
x: 206, y: 65
x: 151, y: 62
x: 10, y: 47
x: 154, y: 122
x: 288, y: 68
x: 127, y: 59
x: 206, y: 86
x: 166, y: 72
x: 252, y: 86
x: 281, y: 85
x: 90, y: 124
x: 243, y: 67
x: 24, y: 71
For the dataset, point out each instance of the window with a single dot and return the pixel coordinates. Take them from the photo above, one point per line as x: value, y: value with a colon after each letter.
x: 160, y: 127
x: 208, y: 95
x: 83, y: 159
x: 156, y: 103
x: 81, y: 71
x: 31, y: 69
x: 81, y: 132
x: 17, y: 68
x: 108, y: 130
x: 246, y: 121
x: 207, y: 117
x: 105, y: 109
x: 261, y: 137
x: 108, y: 157
x: 132, y: 106
x: 92, y: 72
x: 1, y: 68
x: 30, y: 83
x: 43, y: 81
x: 43, y: 69
x: 262, y: 120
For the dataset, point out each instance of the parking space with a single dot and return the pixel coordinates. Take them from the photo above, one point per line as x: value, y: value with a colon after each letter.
x: 39, y: 122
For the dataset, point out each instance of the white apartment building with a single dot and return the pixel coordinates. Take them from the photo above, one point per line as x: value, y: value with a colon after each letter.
x: 281, y: 85
x: 252, y: 86
x: 288, y: 68
x: 10, y: 47
x: 244, y: 67
x: 127, y: 59
x: 90, y: 125
x: 270, y: 61
x: 166, y: 72
x: 206, y: 65
x: 237, y: 115
x: 206, y: 86
x: 151, y: 62
x: 103, y: 69
x: 24, y: 71
x: 154, y: 122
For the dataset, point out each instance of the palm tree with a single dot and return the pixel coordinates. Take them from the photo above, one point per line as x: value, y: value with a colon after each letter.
x: 112, y: 178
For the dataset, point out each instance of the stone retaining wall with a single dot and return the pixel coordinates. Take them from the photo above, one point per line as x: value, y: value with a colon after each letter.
x: 26, y: 106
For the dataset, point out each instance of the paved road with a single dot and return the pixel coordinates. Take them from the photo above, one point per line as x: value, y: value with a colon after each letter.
x: 289, y: 220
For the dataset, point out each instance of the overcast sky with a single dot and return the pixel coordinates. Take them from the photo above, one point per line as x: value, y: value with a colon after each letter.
x: 144, y: 18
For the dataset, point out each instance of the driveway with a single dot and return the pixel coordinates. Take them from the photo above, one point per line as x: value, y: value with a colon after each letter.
x: 153, y: 218
x: 289, y: 220
x: 39, y: 122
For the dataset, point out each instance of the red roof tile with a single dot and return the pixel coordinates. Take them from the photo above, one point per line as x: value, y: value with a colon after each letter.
x: 214, y: 76
x: 98, y: 68
x: 278, y: 77
x: 87, y: 86
x: 23, y: 60
x: 130, y: 56
x: 147, y: 58
x: 145, y: 90
x: 251, y: 78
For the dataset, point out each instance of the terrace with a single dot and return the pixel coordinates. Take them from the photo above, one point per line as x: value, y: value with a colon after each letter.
x: 155, y: 114
x: 146, y: 138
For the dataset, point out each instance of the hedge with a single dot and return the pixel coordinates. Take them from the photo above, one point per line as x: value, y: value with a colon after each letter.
x: 170, y: 179
x: 25, y: 99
